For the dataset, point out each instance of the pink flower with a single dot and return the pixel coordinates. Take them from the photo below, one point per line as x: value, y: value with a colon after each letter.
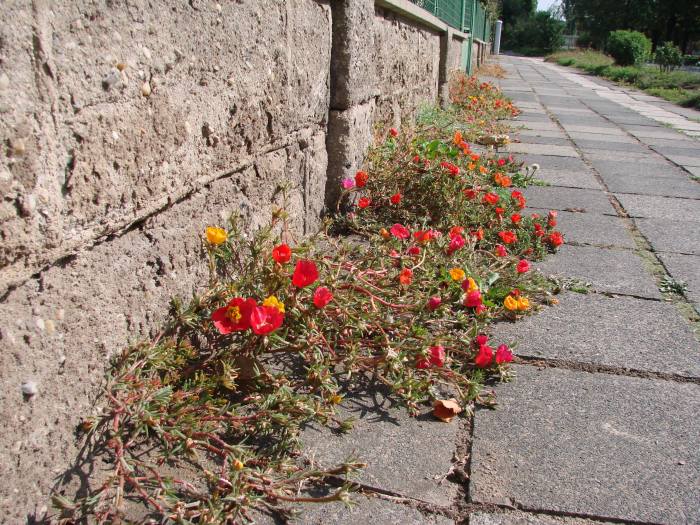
x: 456, y: 243
x: 413, y: 250
x: 434, y: 303
x: 523, y: 266
x: 400, y: 232
x: 348, y: 184
x: 473, y: 299
x: 322, y: 296
x: 501, y: 250
x: 503, y: 355
x: 485, y: 356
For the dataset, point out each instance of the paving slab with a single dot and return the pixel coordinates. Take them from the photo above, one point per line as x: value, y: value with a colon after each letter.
x: 599, y: 144
x: 526, y: 518
x: 544, y: 126
x: 382, y: 436
x: 555, y: 163
x: 597, y: 130
x: 613, y: 447
x: 682, y: 141
x: 592, y: 228
x: 362, y: 510
x: 570, y: 179
x: 522, y: 133
x: 648, y: 157
x: 656, y: 133
x: 666, y: 235
x: 603, y: 333
x: 607, y: 139
x: 606, y: 269
x: 542, y: 149
x: 660, y: 207
x: 609, y: 168
x: 567, y: 199
x: 687, y: 149
x: 685, y: 268
x: 683, y: 160
x: 693, y: 170
x: 663, y: 186
x: 560, y: 140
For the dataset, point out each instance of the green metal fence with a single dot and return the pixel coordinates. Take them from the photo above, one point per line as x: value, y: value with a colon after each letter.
x: 464, y: 15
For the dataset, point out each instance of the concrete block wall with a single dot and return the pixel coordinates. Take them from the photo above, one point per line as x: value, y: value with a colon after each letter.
x: 128, y: 127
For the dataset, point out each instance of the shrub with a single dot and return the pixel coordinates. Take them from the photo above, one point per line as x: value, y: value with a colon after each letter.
x: 536, y: 34
x: 668, y: 57
x: 628, y: 47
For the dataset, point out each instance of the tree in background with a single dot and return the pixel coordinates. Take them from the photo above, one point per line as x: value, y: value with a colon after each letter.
x: 529, y: 32
x: 661, y: 20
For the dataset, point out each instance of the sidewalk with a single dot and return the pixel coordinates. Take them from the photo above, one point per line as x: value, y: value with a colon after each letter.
x: 601, y: 423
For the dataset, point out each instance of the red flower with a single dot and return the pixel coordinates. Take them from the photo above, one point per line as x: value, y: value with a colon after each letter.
x: 400, y: 232
x: 361, y: 179
x: 416, y: 159
x: 555, y: 239
x: 490, y: 198
x: 424, y: 236
x: 322, y: 296
x: 406, y: 276
x: 500, y: 212
x: 507, y: 237
x: 473, y: 299
x: 454, y: 170
x: 503, y: 355
x: 523, y: 266
x: 305, y: 273
x: 434, y: 303
x: 437, y: 358
x: 485, y: 356
x: 394, y: 132
x: 501, y: 162
x: 478, y: 234
x: 552, y: 219
x: 281, y: 253
x: 501, y: 250
x: 456, y: 243
x: 233, y: 317
x: 456, y: 230
x: 539, y: 232
x: 470, y: 194
x: 395, y: 198
x: 515, y: 218
x: 265, y: 319
x: 364, y: 202
x: 481, y: 339
x: 413, y: 250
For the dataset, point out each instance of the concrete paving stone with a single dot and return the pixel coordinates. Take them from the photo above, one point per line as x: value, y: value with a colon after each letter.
x: 592, y: 228
x: 694, y: 171
x: 534, y: 116
x: 543, y: 149
x: 537, y: 139
x: 598, y: 130
x: 564, y: 110
x: 666, y: 235
x: 557, y: 134
x: 648, y: 157
x: 661, y: 207
x: 614, y: 447
x: 682, y: 160
x: 622, y: 332
x: 527, y: 518
x: 682, y: 141
x: 363, y: 510
x: 549, y: 100
x: 540, y: 126
x: 613, y: 168
x: 389, y: 441
x: 636, y: 120
x: 623, y: 139
x: 558, y: 163
x: 610, y: 270
x: 684, y: 149
x: 602, y: 144
x: 663, y: 186
x: 525, y: 104
x: 581, y: 120
x: 567, y: 199
x: 685, y: 268
x: 569, y: 179
x: 656, y: 133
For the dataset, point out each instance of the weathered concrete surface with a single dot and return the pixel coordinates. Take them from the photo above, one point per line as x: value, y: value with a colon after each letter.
x: 604, y: 326
x: 685, y: 268
x: 666, y: 235
x: 592, y: 228
x: 606, y: 269
x: 383, y: 437
x: 522, y: 518
x: 91, y: 154
x: 568, y: 199
x: 594, y: 444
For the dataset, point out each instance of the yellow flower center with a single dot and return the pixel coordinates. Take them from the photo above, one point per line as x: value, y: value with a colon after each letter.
x: 234, y: 314
x: 274, y: 303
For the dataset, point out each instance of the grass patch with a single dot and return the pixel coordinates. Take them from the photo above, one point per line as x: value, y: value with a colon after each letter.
x: 679, y: 87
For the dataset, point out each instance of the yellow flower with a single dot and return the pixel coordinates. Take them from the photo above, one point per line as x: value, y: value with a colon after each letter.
x: 216, y: 235
x: 274, y: 303
x: 238, y: 464
x: 471, y: 285
x: 523, y: 303
x: 457, y: 274
x: 510, y: 303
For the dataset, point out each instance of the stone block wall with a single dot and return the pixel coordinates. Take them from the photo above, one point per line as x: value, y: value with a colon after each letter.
x: 127, y: 128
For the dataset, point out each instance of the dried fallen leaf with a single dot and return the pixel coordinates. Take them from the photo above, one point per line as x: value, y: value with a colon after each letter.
x: 446, y: 409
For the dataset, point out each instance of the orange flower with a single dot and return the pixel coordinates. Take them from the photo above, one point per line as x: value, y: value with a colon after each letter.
x: 216, y: 235
x: 458, y: 138
x: 446, y: 409
x: 406, y: 276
